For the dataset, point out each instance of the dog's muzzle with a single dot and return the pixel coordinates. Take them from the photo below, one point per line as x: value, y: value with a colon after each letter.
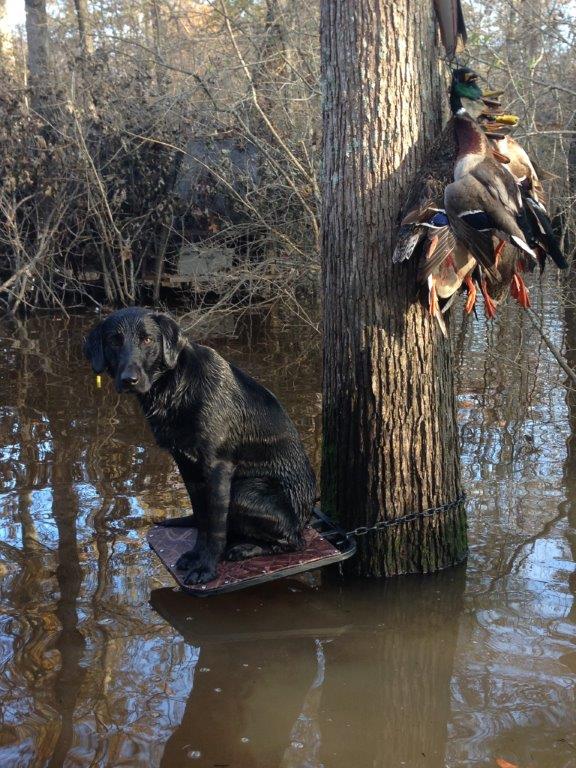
x: 130, y: 380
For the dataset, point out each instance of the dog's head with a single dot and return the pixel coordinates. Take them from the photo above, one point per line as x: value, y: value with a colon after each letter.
x: 135, y: 346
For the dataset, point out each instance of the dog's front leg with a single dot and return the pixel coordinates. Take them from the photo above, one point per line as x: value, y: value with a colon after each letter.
x: 194, y: 482
x: 201, y: 562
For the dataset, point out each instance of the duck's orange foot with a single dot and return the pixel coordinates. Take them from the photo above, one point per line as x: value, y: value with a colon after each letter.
x: 519, y: 291
x: 472, y: 292
x: 489, y: 303
x: 498, y: 252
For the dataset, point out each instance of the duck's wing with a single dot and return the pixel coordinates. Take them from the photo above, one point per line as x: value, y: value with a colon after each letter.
x: 501, y: 198
x: 470, y: 223
x: 538, y: 226
x: 440, y: 246
x: 416, y: 226
x: 409, y: 237
x: 524, y: 170
x: 500, y: 184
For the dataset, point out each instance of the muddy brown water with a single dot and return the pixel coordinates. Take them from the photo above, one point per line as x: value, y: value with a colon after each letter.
x: 105, y: 664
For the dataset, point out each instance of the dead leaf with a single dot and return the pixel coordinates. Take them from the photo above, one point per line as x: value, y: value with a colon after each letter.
x: 501, y: 763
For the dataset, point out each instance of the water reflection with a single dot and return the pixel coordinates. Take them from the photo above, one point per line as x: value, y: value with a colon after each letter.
x: 103, y: 664
x: 330, y: 676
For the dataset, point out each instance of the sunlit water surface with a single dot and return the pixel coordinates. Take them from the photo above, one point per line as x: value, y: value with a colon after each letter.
x: 105, y: 664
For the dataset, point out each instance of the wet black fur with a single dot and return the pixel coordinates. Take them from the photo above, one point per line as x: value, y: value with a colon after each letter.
x: 244, y: 466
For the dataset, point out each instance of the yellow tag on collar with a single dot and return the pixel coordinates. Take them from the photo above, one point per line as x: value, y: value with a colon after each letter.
x: 98, y: 381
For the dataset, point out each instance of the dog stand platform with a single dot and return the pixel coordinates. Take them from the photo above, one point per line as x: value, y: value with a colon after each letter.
x: 325, y: 544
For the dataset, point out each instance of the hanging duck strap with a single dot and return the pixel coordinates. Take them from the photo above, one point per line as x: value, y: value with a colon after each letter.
x: 362, y: 530
x: 452, y: 26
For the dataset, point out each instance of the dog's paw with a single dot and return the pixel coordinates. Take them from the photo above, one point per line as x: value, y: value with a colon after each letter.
x: 201, y: 569
x: 201, y: 574
x: 243, y: 551
x: 186, y: 561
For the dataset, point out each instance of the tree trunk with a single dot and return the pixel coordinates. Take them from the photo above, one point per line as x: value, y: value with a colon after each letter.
x: 270, y: 72
x: 82, y: 19
x: 6, y: 52
x: 390, y: 438
x: 156, y: 25
x: 37, y: 39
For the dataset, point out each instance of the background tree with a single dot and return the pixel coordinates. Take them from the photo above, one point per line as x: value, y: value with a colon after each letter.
x: 82, y: 20
x: 38, y: 65
x: 390, y: 440
x: 5, y: 36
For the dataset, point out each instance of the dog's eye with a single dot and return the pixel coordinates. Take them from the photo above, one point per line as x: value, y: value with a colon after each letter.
x: 146, y: 341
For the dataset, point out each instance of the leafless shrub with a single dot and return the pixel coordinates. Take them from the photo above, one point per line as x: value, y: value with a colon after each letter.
x: 93, y: 186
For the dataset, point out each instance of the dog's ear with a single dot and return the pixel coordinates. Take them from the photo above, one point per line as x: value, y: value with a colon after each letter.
x: 94, y: 349
x: 173, y: 341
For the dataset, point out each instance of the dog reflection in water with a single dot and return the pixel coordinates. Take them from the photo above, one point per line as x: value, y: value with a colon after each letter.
x: 250, y: 482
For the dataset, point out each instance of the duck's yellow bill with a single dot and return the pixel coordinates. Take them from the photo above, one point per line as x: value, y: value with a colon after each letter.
x: 492, y: 94
x: 507, y: 119
x: 98, y: 381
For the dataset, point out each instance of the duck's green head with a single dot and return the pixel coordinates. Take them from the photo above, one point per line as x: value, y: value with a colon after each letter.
x: 464, y: 86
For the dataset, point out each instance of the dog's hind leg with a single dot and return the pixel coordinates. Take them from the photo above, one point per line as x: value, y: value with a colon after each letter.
x: 261, y: 521
x: 248, y: 549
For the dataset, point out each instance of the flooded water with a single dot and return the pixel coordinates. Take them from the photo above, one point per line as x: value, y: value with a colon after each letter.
x: 105, y: 664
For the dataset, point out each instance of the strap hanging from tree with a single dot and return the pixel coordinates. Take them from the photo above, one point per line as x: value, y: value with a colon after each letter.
x: 452, y: 26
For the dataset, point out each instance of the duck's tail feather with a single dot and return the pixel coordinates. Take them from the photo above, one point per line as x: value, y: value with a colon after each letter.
x: 406, y: 244
x: 544, y: 233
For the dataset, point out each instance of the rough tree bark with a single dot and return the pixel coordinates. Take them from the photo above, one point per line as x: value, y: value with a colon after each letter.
x: 37, y: 41
x: 390, y: 437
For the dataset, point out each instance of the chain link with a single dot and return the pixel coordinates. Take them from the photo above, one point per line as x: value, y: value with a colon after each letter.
x: 362, y: 530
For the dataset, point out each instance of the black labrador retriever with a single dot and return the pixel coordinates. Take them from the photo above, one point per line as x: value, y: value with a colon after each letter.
x: 244, y: 466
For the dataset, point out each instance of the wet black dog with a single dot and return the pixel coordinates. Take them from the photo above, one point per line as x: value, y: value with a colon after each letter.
x: 242, y: 461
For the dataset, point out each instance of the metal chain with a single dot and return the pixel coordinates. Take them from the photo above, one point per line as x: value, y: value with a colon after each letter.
x: 362, y: 530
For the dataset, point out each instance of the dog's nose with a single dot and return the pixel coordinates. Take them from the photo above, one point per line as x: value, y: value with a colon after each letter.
x: 129, y: 379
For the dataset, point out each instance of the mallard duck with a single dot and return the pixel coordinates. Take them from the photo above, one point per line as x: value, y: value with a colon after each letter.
x: 444, y: 264
x: 538, y: 227
x: 534, y: 219
x: 484, y: 201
